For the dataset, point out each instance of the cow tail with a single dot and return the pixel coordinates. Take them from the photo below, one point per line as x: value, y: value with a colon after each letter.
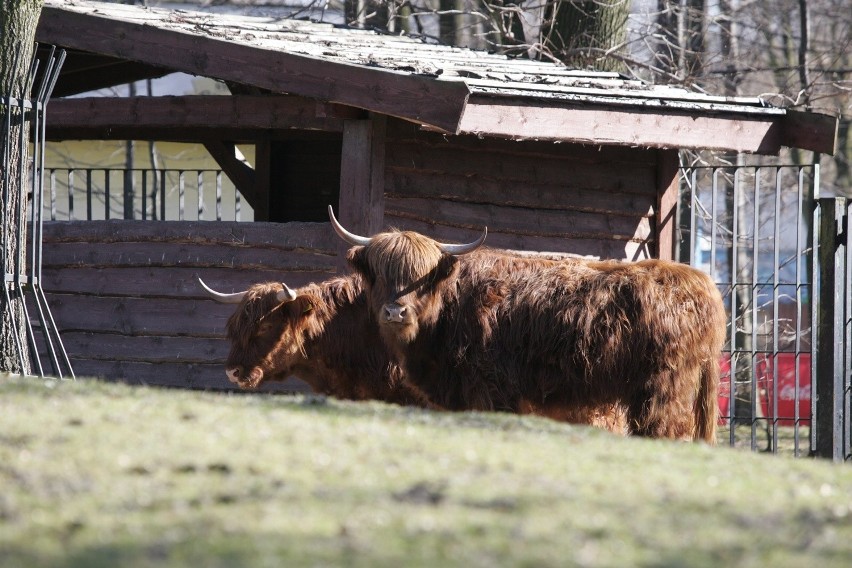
x: 707, y: 403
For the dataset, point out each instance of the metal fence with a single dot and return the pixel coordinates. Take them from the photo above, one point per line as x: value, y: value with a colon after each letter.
x: 21, y: 167
x: 143, y: 194
x: 755, y: 230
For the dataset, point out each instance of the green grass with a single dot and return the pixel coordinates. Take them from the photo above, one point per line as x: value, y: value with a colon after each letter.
x: 96, y: 474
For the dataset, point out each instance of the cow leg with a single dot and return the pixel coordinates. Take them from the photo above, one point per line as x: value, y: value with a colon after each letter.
x: 607, y: 416
x: 666, y: 407
x: 478, y: 399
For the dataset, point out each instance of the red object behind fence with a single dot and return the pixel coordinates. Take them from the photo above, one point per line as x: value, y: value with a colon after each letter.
x: 764, y: 366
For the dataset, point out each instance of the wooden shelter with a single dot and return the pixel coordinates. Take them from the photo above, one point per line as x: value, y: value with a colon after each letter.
x: 390, y: 129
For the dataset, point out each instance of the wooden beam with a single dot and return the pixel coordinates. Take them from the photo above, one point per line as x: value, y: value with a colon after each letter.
x: 240, y: 173
x: 208, y: 112
x: 811, y: 131
x: 413, y: 97
x: 107, y: 72
x: 666, y: 208
x: 362, y: 177
x: 753, y: 133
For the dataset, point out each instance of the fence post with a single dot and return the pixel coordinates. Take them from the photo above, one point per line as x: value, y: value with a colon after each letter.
x: 128, y: 191
x: 831, y: 228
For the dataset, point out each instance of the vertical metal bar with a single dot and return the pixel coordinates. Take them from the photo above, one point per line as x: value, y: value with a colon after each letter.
x: 106, y: 195
x: 200, y: 184
x: 692, y: 223
x: 776, y: 262
x: 734, y: 284
x: 163, y: 195
x: 71, y: 195
x: 814, y: 293
x: 797, y: 358
x: 847, y: 342
x: 128, y: 193
x: 53, y: 195
x: 36, y: 227
x: 89, y: 194
x: 45, y: 316
x: 755, y: 277
x: 181, y: 195
x: 829, y: 327
x: 218, y: 195
x: 237, y: 205
x: 713, y: 221
x: 36, y: 196
x: 38, y: 214
x: 19, y: 260
x: 144, y: 195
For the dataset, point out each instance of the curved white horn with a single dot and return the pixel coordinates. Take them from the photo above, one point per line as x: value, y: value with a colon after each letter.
x: 286, y: 295
x: 234, y: 298
x: 350, y: 238
x: 464, y: 249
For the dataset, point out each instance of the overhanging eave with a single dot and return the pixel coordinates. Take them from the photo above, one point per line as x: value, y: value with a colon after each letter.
x: 753, y: 132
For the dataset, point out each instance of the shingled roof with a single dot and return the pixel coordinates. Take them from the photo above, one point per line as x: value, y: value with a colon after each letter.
x: 449, y: 89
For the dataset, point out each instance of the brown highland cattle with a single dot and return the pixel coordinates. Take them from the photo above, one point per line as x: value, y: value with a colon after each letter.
x: 475, y: 329
x: 321, y: 333
x: 325, y: 335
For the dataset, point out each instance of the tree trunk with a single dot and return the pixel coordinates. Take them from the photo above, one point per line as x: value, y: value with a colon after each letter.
x: 692, y: 40
x: 18, y: 19
x: 355, y: 13
x: 586, y: 33
x: 449, y: 21
x: 666, y: 45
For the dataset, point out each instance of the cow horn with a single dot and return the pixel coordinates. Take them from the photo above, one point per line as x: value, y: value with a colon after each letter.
x: 234, y: 298
x: 350, y: 238
x: 286, y: 295
x: 464, y: 249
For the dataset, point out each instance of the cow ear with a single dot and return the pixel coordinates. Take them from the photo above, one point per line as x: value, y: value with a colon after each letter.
x: 357, y: 260
x: 446, y: 267
x: 303, y: 306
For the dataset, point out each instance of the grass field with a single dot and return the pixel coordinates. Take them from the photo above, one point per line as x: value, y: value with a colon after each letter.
x: 103, y: 475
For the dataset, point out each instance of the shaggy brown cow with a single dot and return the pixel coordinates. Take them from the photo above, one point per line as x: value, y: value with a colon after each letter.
x: 322, y: 333
x: 491, y: 331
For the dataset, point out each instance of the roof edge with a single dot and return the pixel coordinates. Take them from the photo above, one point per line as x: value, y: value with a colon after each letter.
x: 415, y: 98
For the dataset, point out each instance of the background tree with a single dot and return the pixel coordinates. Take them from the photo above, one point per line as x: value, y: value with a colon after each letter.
x: 586, y: 34
x: 18, y: 19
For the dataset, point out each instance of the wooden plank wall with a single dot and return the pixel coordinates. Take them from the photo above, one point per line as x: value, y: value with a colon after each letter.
x: 125, y: 297
x: 586, y: 200
x: 124, y: 293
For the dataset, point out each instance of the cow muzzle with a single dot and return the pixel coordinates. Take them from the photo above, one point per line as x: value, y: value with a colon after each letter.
x: 238, y: 376
x: 395, y: 313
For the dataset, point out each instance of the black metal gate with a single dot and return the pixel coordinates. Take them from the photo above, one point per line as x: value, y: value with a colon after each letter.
x: 779, y: 255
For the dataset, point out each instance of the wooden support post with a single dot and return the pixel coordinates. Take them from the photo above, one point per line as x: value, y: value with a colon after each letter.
x: 667, y: 197
x: 262, y: 164
x: 362, y: 177
x: 240, y: 173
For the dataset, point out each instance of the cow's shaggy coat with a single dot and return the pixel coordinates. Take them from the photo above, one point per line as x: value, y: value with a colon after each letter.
x: 559, y: 338
x: 327, y: 337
